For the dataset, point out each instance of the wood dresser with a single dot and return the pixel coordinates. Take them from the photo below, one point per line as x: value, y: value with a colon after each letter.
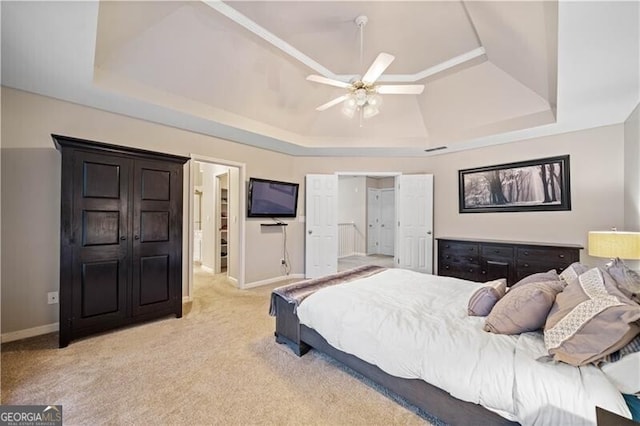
x: 485, y: 260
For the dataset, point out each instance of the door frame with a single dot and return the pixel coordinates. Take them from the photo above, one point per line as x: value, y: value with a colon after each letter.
x: 242, y: 199
x: 373, y: 175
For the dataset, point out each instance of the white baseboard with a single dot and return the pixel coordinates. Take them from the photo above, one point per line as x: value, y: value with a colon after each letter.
x: 272, y: 280
x: 207, y: 269
x: 187, y: 299
x: 30, y: 332
x: 233, y: 280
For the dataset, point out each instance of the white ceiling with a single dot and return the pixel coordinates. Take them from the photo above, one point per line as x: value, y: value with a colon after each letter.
x: 237, y: 70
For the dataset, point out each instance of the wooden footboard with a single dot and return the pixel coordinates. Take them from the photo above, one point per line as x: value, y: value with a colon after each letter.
x: 288, y: 327
x: 429, y: 398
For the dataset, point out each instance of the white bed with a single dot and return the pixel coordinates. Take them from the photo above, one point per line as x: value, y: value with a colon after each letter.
x: 414, y: 325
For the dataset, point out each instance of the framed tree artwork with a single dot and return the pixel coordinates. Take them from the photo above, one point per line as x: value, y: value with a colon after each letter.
x: 535, y: 185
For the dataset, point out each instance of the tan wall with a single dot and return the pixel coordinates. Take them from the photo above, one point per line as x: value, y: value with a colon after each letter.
x: 597, y: 186
x: 597, y: 182
x: 31, y: 201
x: 31, y: 193
x: 632, y: 176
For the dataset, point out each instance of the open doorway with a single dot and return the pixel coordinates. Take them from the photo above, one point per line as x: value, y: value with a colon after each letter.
x: 216, y: 225
x: 366, y: 217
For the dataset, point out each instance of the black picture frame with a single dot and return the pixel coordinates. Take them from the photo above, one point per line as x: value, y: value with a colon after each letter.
x: 534, y: 185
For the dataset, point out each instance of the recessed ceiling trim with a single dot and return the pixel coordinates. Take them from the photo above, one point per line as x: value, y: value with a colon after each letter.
x: 271, y: 38
x: 266, y: 35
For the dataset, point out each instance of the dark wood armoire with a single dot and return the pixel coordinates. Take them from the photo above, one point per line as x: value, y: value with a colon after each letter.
x: 120, y: 236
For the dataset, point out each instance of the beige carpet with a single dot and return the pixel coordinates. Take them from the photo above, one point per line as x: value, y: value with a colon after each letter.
x: 219, y: 364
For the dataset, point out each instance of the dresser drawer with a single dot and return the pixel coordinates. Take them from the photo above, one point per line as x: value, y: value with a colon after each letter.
x: 559, y: 255
x: 525, y: 268
x: 459, y: 270
x: 455, y: 257
x: 458, y: 248
x: 497, y: 252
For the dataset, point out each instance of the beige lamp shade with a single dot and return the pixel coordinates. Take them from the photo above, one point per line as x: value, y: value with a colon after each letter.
x: 612, y: 244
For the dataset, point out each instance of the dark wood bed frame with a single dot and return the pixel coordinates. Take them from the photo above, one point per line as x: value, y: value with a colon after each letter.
x: 419, y: 393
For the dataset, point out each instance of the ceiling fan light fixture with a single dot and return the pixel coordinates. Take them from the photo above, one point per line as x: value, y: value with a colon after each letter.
x: 360, y: 96
x: 374, y: 100
x: 369, y: 111
x: 349, y: 107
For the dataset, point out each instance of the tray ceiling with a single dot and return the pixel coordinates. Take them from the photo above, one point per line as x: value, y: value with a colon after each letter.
x: 237, y: 70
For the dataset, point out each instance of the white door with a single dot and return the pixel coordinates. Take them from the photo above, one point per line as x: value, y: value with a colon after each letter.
x: 415, y: 222
x: 373, y: 220
x: 321, y: 240
x: 387, y: 221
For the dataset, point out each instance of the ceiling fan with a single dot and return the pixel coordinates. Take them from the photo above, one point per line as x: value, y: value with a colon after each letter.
x: 363, y: 94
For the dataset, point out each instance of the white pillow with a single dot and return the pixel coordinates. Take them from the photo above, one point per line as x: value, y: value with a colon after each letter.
x: 624, y: 373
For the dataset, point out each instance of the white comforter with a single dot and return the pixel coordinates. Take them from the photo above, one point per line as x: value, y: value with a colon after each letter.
x: 415, y: 325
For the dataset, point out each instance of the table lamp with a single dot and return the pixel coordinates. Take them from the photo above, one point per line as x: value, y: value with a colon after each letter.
x: 614, y: 244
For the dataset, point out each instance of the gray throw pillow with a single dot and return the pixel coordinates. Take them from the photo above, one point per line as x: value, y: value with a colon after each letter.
x: 483, y: 299
x: 522, y: 309
x: 628, y: 280
x: 551, y: 275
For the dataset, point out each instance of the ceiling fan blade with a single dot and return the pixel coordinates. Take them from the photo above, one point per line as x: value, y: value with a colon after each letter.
x: 404, y: 89
x: 331, y: 103
x: 329, y: 81
x: 377, y: 67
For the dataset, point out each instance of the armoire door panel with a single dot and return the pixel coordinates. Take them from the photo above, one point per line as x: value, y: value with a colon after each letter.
x: 100, y: 180
x: 100, y: 288
x: 99, y: 292
x: 155, y: 184
x: 154, y: 226
x: 101, y: 228
x: 154, y: 279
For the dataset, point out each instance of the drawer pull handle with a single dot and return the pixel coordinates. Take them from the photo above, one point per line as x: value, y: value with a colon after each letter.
x: 526, y: 265
x: 561, y: 269
x: 447, y: 257
x: 470, y: 270
x: 484, y: 272
x: 471, y: 259
x: 446, y: 246
x: 526, y: 253
x: 561, y: 256
x: 446, y: 267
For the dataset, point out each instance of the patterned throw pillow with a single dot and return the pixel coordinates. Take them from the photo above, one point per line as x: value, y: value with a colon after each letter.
x: 483, y: 299
x: 573, y: 271
x: 590, y: 319
x: 523, y: 309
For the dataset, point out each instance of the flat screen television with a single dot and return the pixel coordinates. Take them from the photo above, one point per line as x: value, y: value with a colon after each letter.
x: 270, y: 198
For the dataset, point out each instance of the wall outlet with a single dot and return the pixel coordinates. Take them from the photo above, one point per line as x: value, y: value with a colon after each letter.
x: 283, y: 262
x: 52, y: 297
